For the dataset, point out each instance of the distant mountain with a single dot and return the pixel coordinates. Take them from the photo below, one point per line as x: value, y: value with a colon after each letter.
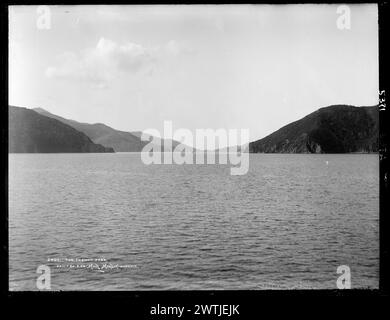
x: 31, y: 132
x: 120, y: 141
x: 333, y: 129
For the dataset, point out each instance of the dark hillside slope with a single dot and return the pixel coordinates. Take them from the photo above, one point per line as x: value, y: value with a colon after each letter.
x: 31, y: 132
x: 333, y: 129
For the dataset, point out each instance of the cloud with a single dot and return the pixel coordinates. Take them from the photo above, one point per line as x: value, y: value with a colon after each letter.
x: 103, y: 63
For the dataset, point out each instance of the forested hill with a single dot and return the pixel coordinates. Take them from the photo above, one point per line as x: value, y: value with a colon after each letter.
x: 31, y: 132
x: 333, y: 129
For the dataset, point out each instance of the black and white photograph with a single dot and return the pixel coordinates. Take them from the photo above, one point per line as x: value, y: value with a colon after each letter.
x: 193, y: 147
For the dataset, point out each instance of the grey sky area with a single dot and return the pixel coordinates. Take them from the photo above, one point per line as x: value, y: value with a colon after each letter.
x: 132, y: 67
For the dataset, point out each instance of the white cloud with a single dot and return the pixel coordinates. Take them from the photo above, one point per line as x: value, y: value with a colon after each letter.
x: 103, y: 63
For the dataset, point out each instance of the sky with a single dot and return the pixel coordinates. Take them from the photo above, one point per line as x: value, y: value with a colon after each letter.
x: 256, y: 67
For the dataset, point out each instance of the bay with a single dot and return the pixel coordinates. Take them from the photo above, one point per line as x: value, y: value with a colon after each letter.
x: 287, y: 224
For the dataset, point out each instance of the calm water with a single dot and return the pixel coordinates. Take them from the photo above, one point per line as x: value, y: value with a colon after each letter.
x: 289, y: 223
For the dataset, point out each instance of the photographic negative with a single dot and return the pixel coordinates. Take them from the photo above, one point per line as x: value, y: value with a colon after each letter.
x: 193, y: 147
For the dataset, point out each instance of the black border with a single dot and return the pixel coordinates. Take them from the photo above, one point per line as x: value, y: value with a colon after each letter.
x: 141, y: 301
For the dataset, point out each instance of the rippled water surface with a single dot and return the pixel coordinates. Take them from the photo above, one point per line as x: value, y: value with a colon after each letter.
x: 288, y: 223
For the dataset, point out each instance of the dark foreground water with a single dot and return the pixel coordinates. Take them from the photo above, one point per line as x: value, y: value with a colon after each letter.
x: 287, y: 224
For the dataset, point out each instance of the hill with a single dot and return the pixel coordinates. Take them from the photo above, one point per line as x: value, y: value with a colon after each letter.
x: 120, y: 141
x: 333, y: 129
x: 31, y: 132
